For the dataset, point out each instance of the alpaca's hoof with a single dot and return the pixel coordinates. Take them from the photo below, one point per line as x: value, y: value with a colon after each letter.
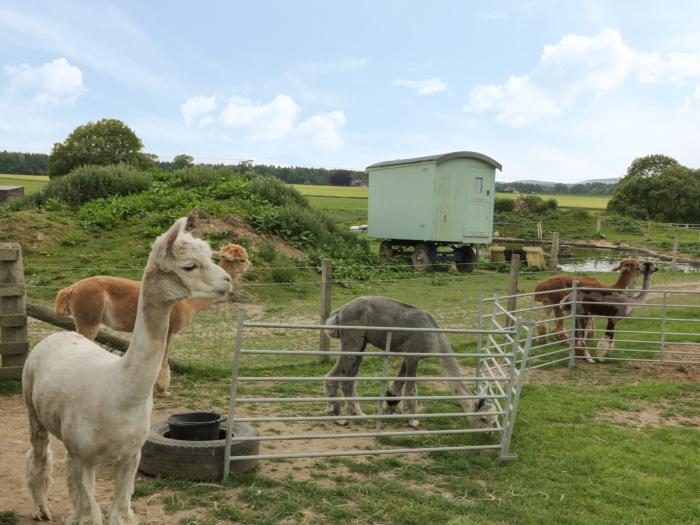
x: 41, y: 513
x: 341, y: 422
x: 600, y: 359
x: 413, y: 423
x: 590, y: 360
x: 163, y: 393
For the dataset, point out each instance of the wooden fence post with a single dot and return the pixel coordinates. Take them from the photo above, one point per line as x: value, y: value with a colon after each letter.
x: 324, y: 340
x: 599, y: 225
x: 648, y: 227
x: 555, y: 251
x: 539, y: 229
x: 674, y: 260
x: 13, y: 313
x: 513, y: 286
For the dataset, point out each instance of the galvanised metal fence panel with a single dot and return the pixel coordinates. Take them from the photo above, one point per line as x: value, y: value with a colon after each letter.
x: 660, y: 330
x: 496, y: 378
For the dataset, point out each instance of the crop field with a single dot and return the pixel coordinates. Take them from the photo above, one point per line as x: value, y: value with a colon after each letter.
x: 592, y: 202
x: 31, y: 183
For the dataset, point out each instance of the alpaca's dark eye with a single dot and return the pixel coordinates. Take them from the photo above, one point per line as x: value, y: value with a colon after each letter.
x: 189, y: 268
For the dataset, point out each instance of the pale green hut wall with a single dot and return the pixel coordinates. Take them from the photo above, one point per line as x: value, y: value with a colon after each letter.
x: 401, y: 201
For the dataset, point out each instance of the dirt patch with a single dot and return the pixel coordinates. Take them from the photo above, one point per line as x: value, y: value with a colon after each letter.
x: 237, y: 229
x: 649, y: 415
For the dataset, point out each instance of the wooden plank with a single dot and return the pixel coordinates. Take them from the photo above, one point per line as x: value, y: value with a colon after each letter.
x: 14, y: 348
x: 11, y: 372
x: 8, y: 252
x: 13, y: 320
x: 49, y: 316
x: 11, y: 290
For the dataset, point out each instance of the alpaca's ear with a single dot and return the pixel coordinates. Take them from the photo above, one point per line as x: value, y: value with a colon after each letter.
x: 174, y: 232
x: 617, y: 268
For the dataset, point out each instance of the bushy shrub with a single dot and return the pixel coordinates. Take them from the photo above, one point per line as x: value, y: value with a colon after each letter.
x: 623, y: 224
x: 580, y: 213
x: 503, y: 205
x: 276, y: 192
x: 90, y: 182
x: 195, y: 176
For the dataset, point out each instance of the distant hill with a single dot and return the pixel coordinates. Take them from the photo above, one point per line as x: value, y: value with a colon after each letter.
x: 548, y: 183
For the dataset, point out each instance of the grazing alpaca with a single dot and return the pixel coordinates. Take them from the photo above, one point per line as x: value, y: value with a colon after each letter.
x: 382, y: 311
x: 113, y: 301
x: 99, y: 404
x: 557, y: 287
x: 595, y: 302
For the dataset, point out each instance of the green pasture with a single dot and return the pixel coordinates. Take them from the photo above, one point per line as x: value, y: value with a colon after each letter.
x: 31, y: 183
x: 592, y: 202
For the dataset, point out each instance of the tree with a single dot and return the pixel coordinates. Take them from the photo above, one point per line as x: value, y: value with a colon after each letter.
x: 182, y: 161
x: 341, y: 178
x: 657, y: 187
x: 101, y: 143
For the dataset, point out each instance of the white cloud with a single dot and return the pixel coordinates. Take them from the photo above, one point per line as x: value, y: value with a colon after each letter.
x: 55, y: 82
x: 324, y: 130
x: 422, y: 87
x: 575, y: 66
x: 273, y: 120
x: 197, y: 108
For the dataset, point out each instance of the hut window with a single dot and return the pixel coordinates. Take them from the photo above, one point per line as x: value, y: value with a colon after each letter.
x: 479, y: 184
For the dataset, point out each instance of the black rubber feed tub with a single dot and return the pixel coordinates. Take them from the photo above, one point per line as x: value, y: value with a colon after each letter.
x: 195, y: 426
x: 196, y: 460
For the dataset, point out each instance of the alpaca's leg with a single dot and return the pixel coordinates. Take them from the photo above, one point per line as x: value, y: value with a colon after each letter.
x: 581, y: 339
x: 342, y: 368
x: 541, y: 328
x: 124, y: 474
x: 163, y: 381
x: 409, y: 406
x: 606, y: 343
x: 39, y: 462
x: 394, y: 390
x: 77, y: 491
x: 90, y: 506
x: 350, y: 387
x: 558, y: 327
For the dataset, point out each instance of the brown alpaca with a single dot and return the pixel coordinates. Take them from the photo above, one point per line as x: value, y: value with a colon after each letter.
x: 114, y: 301
x: 559, y: 285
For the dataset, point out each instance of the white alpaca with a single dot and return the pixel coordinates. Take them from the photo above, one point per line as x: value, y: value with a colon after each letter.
x: 99, y: 404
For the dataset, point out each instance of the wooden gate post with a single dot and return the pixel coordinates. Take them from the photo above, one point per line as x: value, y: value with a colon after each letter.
x: 13, y: 313
x: 324, y: 342
x: 599, y: 225
x: 513, y: 286
x: 555, y: 251
x: 674, y: 259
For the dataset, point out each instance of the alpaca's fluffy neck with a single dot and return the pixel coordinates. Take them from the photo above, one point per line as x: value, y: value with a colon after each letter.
x: 140, y: 366
x: 623, y: 280
x: 642, y: 297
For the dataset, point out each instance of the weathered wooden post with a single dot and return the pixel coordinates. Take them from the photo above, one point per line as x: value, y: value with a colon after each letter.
x: 324, y: 340
x: 648, y: 227
x: 555, y: 251
x: 539, y: 229
x: 674, y: 260
x: 599, y: 225
x: 513, y: 286
x: 13, y: 314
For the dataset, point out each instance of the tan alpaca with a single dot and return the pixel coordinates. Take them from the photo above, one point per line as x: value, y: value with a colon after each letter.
x: 100, y: 404
x: 557, y: 287
x: 113, y: 301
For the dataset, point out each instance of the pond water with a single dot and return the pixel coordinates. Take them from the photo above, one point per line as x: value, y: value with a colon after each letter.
x: 583, y: 260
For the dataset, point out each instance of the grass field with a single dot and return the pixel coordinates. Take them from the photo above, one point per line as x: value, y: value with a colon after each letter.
x: 610, y: 443
x: 592, y: 202
x: 31, y: 183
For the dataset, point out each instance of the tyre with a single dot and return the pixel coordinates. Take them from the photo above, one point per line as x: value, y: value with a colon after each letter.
x: 422, y: 258
x: 386, y: 252
x: 196, y: 460
x: 466, y: 259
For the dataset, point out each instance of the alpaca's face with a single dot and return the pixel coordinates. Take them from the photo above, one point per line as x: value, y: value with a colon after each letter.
x: 234, y: 259
x: 188, y: 261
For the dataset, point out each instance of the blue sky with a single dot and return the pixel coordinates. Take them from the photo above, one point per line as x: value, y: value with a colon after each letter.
x: 560, y: 91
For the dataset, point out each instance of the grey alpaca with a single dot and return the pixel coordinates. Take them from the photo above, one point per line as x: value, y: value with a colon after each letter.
x: 383, y: 311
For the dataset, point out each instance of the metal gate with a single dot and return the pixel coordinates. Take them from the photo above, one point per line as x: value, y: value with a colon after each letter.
x: 497, y: 379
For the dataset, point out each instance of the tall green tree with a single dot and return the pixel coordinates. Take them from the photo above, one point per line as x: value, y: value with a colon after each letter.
x: 657, y: 187
x: 101, y: 143
x: 182, y: 161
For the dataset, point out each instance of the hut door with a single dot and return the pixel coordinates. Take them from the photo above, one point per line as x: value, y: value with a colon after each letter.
x: 477, y: 216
